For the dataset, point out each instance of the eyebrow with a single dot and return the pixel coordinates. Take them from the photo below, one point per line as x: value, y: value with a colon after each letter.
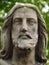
x: 26, y: 18
x: 32, y: 19
x: 17, y: 19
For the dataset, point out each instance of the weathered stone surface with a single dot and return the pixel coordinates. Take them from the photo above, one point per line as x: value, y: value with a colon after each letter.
x: 24, y: 37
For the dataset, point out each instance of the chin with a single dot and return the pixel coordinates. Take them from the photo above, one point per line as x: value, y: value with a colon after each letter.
x: 25, y: 44
x: 23, y: 47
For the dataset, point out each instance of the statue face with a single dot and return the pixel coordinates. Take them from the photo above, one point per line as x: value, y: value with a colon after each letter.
x: 25, y: 28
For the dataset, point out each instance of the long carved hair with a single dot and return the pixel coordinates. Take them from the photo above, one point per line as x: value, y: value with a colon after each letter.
x: 6, y: 37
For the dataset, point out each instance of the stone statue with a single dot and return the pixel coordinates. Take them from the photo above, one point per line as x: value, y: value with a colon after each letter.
x: 24, y: 37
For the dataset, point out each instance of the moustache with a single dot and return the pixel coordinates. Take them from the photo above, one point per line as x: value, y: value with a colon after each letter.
x: 28, y: 35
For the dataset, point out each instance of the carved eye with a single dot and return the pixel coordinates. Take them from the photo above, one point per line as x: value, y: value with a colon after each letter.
x: 31, y: 21
x: 18, y: 21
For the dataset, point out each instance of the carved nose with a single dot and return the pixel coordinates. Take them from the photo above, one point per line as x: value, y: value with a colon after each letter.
x: 24, y: 26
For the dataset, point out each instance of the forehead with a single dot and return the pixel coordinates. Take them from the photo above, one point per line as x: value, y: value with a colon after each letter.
x: 25, y: 12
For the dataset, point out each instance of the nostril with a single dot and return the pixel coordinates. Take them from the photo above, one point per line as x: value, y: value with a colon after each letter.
x: 24, y: 26
x: 23, y: 30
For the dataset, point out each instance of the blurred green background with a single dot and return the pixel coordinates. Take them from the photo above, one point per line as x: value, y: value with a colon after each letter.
x: 43, y: 5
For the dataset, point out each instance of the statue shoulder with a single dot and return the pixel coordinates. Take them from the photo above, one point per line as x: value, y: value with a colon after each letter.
x: 2, y: 62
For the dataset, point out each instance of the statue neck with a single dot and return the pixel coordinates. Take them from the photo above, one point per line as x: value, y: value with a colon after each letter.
x: 23, y: 57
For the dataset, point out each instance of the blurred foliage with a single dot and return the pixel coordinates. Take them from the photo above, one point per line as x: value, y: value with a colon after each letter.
x: 43, y: 5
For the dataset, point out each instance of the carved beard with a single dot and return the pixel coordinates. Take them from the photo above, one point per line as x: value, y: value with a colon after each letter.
x: 25, y: 40
x: 25, y: 43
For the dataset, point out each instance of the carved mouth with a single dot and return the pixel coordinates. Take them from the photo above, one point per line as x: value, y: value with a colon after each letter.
x: 24, y: 37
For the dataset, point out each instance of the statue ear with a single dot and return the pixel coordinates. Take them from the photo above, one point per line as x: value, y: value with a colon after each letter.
x: 6, y: 40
